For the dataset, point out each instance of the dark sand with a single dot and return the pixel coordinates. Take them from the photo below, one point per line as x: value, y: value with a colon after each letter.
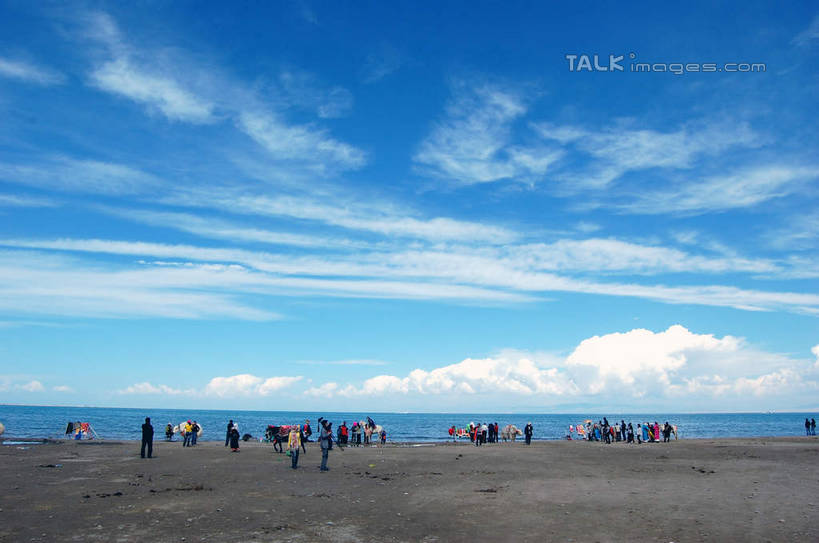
x: 696, y: 490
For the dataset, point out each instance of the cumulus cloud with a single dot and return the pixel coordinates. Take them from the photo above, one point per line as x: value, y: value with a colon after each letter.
x: 62, y: 388
x: 31, y: 386
x: 246, y: 384
x: 623, y: 366
x: 642, y: 354
x: 502, y: 374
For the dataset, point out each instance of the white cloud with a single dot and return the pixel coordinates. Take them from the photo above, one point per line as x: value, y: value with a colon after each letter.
x: 473, y: 143
x: 627, y: 368
x: 302, y: 143
x: 503, y: 374
x: 743, y: 189
x: 621, y: 149
x: 247, y: 385
x: 182, y: 89
x: 69, y: 174
x: 158, y: 92
x: 45, y: 284
x: 337, y: 210
x: 31, y: 386
x: 62, y: 388
x: 643, y: 354
x: 148, y: 388
x: 815, y: 351
x: 327, y: 389
x: 30, y: 73
x: 455, y: 273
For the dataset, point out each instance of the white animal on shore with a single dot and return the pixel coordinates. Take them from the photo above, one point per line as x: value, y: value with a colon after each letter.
x: 510, y: 432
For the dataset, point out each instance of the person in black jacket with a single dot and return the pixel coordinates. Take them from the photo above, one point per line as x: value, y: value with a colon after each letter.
x: 234, y: 439
x: 229, y: 431
x: 147, y: 438
x: 528, y: 430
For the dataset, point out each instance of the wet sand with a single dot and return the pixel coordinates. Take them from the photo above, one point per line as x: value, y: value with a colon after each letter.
x: 761, y: 489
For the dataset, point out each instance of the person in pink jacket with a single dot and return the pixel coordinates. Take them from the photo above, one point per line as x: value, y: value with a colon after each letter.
x: 656, y: 431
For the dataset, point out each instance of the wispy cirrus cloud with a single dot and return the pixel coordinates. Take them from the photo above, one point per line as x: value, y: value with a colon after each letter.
x: 455, y: 274
x: 28, y: 72
x: 181, y: 89
x: 121, y: 76
x: 618, y: 150
x: 375, y: 216
x: 474, y: 143
x: 67, y: 174
x: 745, y: 188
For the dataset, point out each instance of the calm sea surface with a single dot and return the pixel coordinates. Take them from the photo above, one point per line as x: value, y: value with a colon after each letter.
x: 115, y: 423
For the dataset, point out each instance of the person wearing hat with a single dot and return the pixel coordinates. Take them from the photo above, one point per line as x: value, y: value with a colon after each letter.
x: 147, y: 438
x: 528, y: 430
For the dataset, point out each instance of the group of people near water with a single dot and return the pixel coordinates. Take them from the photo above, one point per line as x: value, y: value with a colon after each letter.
x: 810, y: 427
x: 602, y: 430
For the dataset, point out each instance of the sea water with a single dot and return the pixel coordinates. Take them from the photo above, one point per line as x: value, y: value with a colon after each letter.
x: 120, y: 423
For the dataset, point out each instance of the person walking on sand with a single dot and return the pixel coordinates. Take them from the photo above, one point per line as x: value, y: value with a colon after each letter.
x: 234, y: 439
x: 147, y: 438
x: 528, y: 430
x: 229, y: 431
x: 293, y: 445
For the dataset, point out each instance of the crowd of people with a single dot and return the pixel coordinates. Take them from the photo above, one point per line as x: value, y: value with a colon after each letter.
x: 606, y: 432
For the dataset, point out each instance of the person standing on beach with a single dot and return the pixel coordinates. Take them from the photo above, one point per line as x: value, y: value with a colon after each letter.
x: 293, y: 445
x: 186, y: 441
x: 807, y: 427
x: 528, y: 430
x: 326, y: 442
x: 813, y: 427
x: 307, y: 431
x: 147, y: 438
x: 229, y: 431
x: 234, y: 439
x: 194, y: 433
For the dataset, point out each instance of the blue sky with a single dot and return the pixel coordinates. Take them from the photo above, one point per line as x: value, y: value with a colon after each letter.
x: 373, y: 207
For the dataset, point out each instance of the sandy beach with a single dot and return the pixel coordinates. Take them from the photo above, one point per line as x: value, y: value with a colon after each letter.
x: 761, y: 489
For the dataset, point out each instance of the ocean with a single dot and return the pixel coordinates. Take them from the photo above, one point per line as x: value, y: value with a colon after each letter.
x: 121, y: 423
